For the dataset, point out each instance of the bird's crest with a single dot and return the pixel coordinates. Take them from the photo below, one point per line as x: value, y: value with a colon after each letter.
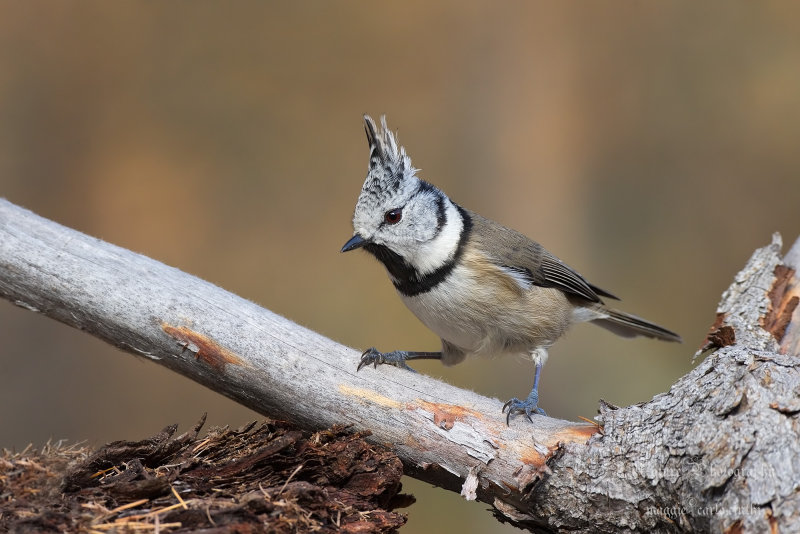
x: 389, y: 165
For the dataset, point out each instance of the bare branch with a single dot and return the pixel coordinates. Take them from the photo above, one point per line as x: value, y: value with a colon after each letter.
x: 266, y: 362
x: 720, y: 451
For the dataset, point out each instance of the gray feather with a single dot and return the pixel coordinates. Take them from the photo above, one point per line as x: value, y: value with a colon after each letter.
x: 513, y: 250
x: 627, y: 325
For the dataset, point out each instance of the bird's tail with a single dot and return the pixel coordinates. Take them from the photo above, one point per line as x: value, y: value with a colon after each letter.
x: 627, y: 325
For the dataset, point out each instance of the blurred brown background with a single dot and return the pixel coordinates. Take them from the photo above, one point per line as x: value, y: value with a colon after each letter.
x: 651, y: 146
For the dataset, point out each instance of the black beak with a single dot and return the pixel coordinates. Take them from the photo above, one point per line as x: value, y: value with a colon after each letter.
x: 355, y: 242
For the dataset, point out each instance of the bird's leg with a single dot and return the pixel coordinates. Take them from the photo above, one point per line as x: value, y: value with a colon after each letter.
x: 529, y: 405
x: 396, y: 357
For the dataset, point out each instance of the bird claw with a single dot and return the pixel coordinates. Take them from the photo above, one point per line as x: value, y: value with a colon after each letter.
x: 375, y: 357
x: 528, y: 406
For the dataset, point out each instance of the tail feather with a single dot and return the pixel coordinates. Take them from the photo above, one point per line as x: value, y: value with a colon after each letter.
x: 627, y: 325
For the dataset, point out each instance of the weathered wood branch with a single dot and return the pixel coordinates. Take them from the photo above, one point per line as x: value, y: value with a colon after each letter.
x: 266, y: 362
x: 720, y: 450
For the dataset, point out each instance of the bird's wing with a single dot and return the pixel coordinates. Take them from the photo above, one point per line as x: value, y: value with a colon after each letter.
x: 525, y: 259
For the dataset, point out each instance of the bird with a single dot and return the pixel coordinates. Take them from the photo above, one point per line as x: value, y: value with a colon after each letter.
x: 483, y: 288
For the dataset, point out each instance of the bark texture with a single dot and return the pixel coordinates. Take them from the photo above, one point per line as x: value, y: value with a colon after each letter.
x: 720, y: 451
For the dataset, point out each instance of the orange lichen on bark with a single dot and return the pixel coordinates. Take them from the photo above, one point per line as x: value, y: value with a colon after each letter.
x: 576, y: 433
x: 369, y: 395
x: 205, y: 349
x: 445, y: 415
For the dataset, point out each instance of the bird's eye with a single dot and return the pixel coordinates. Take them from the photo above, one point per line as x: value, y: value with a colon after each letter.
x: 393, y: 216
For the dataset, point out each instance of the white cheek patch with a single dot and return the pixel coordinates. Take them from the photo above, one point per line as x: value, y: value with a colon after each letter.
x: 435, y: 253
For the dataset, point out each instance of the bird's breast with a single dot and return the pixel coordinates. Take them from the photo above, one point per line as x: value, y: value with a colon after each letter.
x: 482, y: 310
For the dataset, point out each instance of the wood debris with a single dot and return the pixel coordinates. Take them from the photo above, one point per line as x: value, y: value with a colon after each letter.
x: 259, y: 478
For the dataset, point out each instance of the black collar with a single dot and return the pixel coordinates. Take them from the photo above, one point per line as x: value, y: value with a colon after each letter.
x: 406, y: 278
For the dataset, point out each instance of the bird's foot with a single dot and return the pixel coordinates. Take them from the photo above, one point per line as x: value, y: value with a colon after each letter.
x: 528, y: 406
x: 375, y: 357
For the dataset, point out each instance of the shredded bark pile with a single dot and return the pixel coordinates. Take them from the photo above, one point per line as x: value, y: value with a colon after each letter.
x: 266, y: 478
